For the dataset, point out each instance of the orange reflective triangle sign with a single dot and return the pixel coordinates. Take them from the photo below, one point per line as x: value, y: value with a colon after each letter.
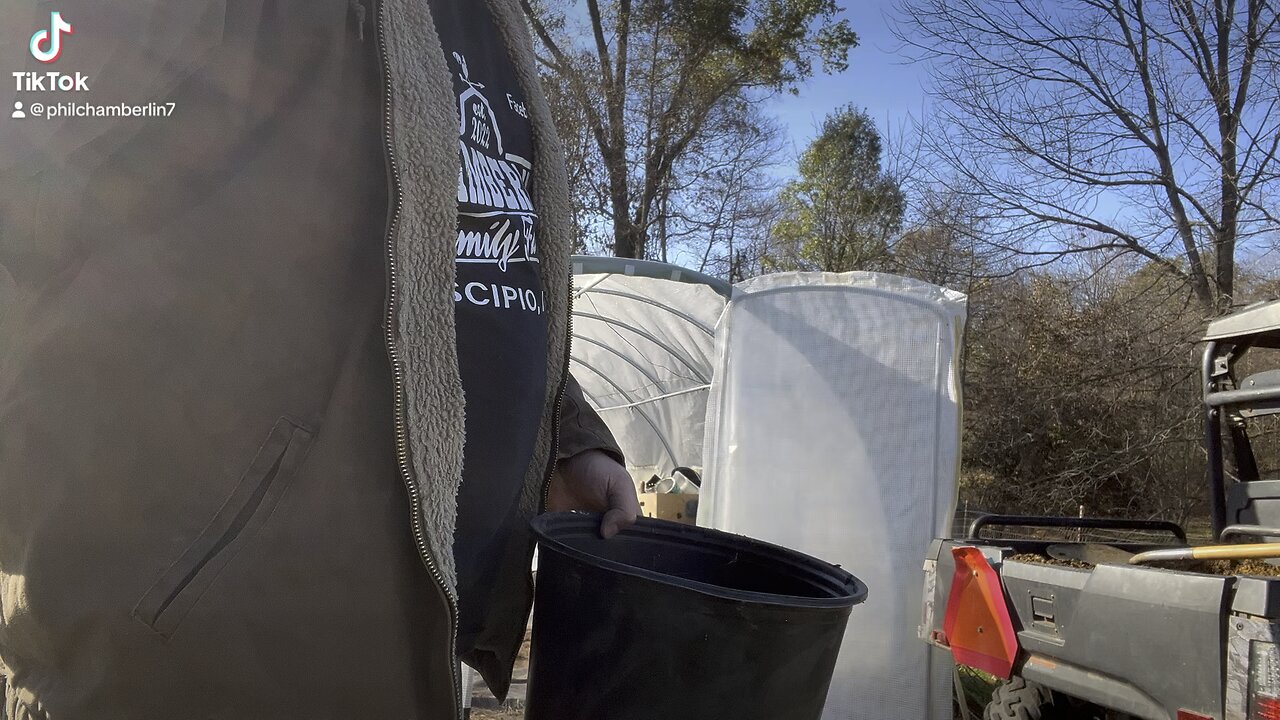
x: 977, y: 622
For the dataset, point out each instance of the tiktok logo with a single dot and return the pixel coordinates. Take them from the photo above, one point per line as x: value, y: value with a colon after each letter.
x: 46, y: 45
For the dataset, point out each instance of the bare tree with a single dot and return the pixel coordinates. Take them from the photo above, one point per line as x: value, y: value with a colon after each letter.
x: 722, y: 198
x: 942, y: 242
x: 654, y: 71
x: 1079, y: 390
x: 588, y: 189
x: 1145, y: 127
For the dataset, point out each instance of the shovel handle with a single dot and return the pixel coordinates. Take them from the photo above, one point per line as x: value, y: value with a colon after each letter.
x: 1209, y: 552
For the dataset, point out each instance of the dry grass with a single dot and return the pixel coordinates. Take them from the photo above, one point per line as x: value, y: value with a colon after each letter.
x: 976, y: 688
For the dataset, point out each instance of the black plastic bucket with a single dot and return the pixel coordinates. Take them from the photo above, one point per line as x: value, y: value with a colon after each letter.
x: 668, y: 622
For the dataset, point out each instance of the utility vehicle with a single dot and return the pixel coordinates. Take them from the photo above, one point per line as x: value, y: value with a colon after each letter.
x: 1137, y: 627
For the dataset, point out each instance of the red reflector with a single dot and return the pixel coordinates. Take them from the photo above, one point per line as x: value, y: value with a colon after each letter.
x: 1265, y: 708
x: 977, y: 620
x: 1188, y: 715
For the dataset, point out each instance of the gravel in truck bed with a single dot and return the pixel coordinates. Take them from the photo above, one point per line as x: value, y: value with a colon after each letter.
x: 1251, y: 566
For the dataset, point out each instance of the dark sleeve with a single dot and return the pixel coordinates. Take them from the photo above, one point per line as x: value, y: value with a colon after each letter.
x: 581, y: 428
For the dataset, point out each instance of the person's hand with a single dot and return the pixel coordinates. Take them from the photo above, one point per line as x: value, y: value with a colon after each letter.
x: 592, y: 481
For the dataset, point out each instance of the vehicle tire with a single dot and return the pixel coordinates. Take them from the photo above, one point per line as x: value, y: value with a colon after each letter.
x: 1018, y: 699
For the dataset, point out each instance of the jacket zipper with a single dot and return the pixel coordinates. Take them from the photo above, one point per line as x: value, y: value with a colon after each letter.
x: 402, y: 442
x: 559, y: 406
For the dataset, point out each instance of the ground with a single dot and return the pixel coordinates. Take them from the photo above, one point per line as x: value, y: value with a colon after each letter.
x: 496, y: 714
x: 486, y: 707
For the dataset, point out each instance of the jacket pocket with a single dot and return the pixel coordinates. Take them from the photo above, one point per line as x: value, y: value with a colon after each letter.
x: 168, y: 601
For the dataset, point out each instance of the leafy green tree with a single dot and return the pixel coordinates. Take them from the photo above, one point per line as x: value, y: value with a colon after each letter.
x: 843, y: 211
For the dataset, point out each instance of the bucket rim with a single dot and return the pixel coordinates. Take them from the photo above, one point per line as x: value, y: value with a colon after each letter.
x: 543, y: 525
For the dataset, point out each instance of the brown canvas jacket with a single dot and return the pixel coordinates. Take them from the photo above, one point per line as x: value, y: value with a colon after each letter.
x: 231, y: 423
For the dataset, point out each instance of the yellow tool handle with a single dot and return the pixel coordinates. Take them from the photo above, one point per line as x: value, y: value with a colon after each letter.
x: 1209, y: 552
x: 1236, y: 552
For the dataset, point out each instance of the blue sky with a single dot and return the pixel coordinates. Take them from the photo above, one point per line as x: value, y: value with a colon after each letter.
x: 878, y: 79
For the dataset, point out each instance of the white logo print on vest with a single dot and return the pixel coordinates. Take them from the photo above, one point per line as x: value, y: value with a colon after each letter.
x: 492, y: 185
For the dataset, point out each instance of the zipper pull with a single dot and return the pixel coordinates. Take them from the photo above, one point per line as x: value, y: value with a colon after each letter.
x: 361, y: 12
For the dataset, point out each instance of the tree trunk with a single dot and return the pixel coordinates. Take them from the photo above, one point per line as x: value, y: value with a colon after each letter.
x: 629, y: 240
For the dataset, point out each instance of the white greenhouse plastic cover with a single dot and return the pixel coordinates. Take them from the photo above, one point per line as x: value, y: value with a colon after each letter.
x: 642, y: 352
x: 834, y: 429
x: 831, y: 425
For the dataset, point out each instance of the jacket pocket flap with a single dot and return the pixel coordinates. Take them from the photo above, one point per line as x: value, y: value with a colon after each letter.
x: 169, y: 600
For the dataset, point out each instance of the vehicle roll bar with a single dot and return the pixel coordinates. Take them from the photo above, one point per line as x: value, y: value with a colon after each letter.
x: 1043, y: 521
